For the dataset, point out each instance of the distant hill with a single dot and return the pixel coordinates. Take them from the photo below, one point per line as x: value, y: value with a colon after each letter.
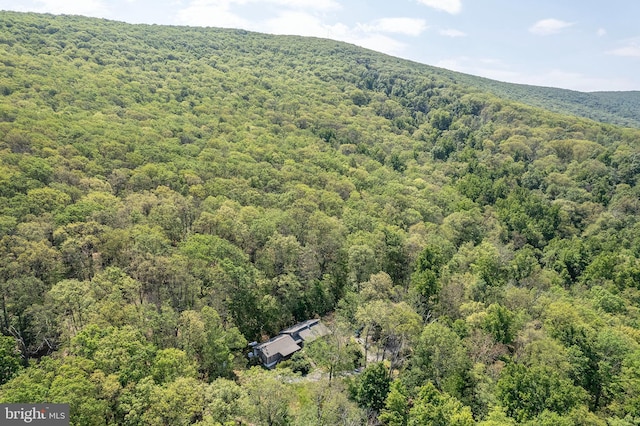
x: 169, y: 194
x: 621, y: 108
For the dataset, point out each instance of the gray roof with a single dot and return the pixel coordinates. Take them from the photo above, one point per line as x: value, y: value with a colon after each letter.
x: 300, y: 326
x: 282, y: 344
x: 311, y: 334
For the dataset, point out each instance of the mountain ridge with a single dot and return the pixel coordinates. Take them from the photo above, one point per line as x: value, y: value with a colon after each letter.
x: 620, y: 108
x: 169, y: 194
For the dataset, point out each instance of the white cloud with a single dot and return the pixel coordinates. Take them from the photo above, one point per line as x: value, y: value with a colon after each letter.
x: 219, y: 13
x: 577, y: 81
x: 305, y: 18
x: 485, y: 67
x: 570, y: 80
x: 452, y: 33
x: 549, y: 26
x: 211, y: 13
x: 371, y: 35
x: 298, y: 23
x: 96, y: 8
x: 449, y: 6
x: 601, y: 32
x: 631, y: 49
x: 365, y: 35
x: 300, y: 4
x: 407, y: 26
x: 374, y: 41
x: 454, y: 64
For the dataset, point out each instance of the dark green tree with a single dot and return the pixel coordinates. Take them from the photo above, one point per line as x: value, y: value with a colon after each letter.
x: 10, y: 360
x: 527, y: 392
x: 371, y: 387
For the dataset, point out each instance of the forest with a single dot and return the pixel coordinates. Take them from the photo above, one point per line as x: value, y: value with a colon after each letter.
x: 621, y: 108
x: 170, y: 194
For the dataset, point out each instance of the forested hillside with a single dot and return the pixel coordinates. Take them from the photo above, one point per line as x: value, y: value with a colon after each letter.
x: 621, y: 108
x: 169, y: 194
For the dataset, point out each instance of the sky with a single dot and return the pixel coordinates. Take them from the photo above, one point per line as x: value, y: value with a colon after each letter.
x: 585, y: 45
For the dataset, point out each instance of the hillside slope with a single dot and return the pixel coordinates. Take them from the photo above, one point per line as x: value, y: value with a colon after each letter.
x: 169, y: 194
x: 621, y: 108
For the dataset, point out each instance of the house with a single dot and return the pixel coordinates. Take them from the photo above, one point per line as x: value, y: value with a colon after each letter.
x: 275, y: 350
x: 307, y: 331
x: 289, y: 341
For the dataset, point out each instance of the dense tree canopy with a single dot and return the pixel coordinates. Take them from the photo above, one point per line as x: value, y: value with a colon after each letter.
x: 169, y: 194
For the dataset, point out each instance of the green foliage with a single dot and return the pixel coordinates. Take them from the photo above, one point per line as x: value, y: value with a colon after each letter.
x: 68, y: 381
x: 425, y: 279
x: 528, y: 392
x: 298, y: 363
x: 121, y: 351
x: 434, y: 408
x: 170, y: 364
x: 529, y: 217
x: 168, y: 194
x: 609, y: 107
x: 371, y: 387
x: 203, y: 336
x: 499, y: 322
x: 396, y: 406
x: 439, y: 357
x: 10, y: 363
x: 326, y: 403
x: 226, y: 402
x: 178, y: 402
x: 627, y: 402
x: 268, y: 397
x: 333, y: 354
x: 497, y: 417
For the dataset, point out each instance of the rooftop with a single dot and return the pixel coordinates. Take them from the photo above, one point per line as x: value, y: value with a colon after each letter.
x: 300, y: 326
x: 282, y: 344
x: 314, y: 332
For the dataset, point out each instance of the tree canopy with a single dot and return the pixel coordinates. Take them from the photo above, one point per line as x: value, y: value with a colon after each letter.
x: 168, y: 194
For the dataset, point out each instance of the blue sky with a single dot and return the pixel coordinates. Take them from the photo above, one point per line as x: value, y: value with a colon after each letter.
x: 584, y: 45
